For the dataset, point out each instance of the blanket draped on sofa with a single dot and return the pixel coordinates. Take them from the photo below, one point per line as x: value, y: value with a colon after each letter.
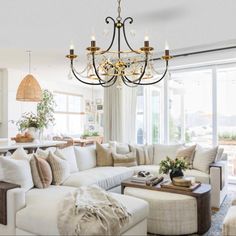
x: 91, y: 211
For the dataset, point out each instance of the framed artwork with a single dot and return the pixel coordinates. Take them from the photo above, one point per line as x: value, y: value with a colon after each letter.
x: 99, y: 107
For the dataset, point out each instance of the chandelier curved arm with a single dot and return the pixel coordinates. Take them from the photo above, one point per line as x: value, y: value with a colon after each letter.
x: 162, y: 77
x: 82, y: 81
x: 137, y: 81
x: 107, y: 85
x: 127, y: 84
x: 124, y: 33
x: 97, y: 74
x: 107, y: 20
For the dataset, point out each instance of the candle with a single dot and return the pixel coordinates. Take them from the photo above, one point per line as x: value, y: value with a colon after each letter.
x: 93, y: 41
x: 71, y: 49
x: 167, y: 50
x: 146, y: 41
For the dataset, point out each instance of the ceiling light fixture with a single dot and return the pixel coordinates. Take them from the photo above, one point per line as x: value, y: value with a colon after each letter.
x: 29, y: 89
x: 130, y: 67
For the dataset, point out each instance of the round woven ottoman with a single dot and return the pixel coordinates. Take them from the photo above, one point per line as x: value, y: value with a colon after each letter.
x: 169, y: 213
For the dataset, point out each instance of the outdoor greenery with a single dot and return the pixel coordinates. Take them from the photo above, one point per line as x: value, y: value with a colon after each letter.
x: 87, y: 134
x: 44, y: 116
x: 228, y: 136
x: 175, y: 165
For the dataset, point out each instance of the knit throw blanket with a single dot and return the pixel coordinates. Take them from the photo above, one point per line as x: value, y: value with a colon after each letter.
x: 91, y: 211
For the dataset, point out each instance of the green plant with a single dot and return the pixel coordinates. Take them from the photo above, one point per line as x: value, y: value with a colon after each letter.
x: 174, y: 165
x: 28, y: 120
x: 89, y: 134
x: 45, y: 109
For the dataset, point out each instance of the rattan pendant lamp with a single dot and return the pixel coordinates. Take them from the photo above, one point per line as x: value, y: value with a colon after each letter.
x: 29, y: 89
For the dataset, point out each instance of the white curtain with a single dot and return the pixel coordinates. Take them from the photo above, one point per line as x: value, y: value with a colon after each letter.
x: 120, y: 114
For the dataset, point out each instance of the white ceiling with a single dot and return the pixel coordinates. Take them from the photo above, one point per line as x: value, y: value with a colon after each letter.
x: 47, y: 27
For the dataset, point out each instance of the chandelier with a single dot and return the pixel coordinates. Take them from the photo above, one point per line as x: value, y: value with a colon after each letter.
x: 109, y: 67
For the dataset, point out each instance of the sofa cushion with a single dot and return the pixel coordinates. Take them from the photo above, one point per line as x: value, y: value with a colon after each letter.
x: 85, y: 157
x: 104, y: 154
x: 105, y: 177
x: 127, y: 160
x: 68, y: 154
x: 41, y: 172
x: 204, y: 157
x: 20, y: 154
x: 161, y: 151
x: 17, y: 172
x: 199, y: 176
x: 60, y: 168
x: 188, y: 154
x: 142, y: 154
x: 39, y: 201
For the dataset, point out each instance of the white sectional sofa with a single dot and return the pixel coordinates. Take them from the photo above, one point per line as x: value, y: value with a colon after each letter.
x: 34, y: 212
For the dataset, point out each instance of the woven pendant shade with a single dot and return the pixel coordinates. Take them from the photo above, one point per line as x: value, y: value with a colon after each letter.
x: 29, y: 90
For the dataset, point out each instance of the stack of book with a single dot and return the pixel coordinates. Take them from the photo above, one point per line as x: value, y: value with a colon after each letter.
x: 140, y: 179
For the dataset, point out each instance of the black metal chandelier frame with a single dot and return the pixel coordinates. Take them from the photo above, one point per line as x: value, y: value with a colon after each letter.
x: 119, y: 67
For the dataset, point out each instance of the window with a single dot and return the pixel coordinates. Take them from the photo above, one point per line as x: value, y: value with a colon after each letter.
x: 148, y: 114
x: 226, y: 81
x: 190, y: 107
x: 68, y: 113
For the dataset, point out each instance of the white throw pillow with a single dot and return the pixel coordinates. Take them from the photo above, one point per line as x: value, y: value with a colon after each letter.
x: 42, y: 153
x: 219, y: 154
x: 204, y: 157
x: 161, y: 151
x: 17, y: 172
x: 85, y: 157
x: 68, y: 154
x: 20, y: 154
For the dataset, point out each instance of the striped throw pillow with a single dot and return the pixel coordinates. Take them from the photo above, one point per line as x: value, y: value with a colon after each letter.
x: 60, y: 168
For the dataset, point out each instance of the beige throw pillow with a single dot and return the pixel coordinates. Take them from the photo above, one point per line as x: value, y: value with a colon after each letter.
x: 104, y: 155
x: 60, y: 168
x: 41, y: 172
x: 142, y: 155
x: 203, y: 158
x: 188, y: 154
x: 126, y: 160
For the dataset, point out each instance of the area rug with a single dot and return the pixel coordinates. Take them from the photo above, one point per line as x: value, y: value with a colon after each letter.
x: 217, y: 217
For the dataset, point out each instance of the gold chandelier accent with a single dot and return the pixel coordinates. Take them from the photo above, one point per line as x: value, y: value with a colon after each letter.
x: 108, y: 67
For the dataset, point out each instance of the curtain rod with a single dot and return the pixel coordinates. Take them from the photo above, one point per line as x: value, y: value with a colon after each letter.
x: 198, y: 52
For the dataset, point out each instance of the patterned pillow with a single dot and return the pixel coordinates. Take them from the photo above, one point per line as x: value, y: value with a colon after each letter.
x: 104, y: 155
x: 41, y: 172
x: 60, y: 168
x: 187, y: 154
x: 126, y: 160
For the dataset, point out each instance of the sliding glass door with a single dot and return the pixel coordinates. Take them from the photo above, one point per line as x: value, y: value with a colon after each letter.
x: 226, y: 86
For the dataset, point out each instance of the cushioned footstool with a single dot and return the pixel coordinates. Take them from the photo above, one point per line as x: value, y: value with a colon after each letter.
x: 169, y: 213
x: 229, y: 224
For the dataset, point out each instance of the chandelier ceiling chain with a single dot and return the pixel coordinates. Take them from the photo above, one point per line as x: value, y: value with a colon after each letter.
x: 109, y: 67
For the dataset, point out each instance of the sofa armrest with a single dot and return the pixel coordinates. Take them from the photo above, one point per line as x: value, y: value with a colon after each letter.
x: 4, y: 188
x: 220, y: 166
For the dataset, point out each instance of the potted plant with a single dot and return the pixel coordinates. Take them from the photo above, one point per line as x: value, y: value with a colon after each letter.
x: 174, y: 167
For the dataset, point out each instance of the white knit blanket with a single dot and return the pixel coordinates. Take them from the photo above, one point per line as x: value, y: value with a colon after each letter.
x: 91, y: 211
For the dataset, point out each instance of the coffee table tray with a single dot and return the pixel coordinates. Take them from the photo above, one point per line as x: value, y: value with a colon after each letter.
x: 170, y: 185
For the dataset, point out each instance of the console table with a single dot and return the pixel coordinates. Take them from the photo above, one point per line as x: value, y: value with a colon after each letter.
x: 11, y: 146
x: 202, y: 195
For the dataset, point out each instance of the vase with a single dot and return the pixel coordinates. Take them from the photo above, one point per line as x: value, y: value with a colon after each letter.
x: 33, y: 132
x: 176, y: 173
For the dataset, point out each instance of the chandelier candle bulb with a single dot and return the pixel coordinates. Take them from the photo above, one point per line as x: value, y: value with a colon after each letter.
x: 167, y: 50
x: 71, y: 49
x: 93, y: 41
x: 146, y: 41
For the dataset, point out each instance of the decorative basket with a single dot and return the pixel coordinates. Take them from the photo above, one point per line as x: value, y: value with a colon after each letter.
x: 181, y: 181
x: 24, y: 139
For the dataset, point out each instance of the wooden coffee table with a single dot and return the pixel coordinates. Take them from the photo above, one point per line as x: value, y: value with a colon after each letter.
x: 202, y: 195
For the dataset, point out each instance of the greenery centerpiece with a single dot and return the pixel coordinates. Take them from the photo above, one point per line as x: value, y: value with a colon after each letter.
x: 34, y: 123
x: 174, y: 167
